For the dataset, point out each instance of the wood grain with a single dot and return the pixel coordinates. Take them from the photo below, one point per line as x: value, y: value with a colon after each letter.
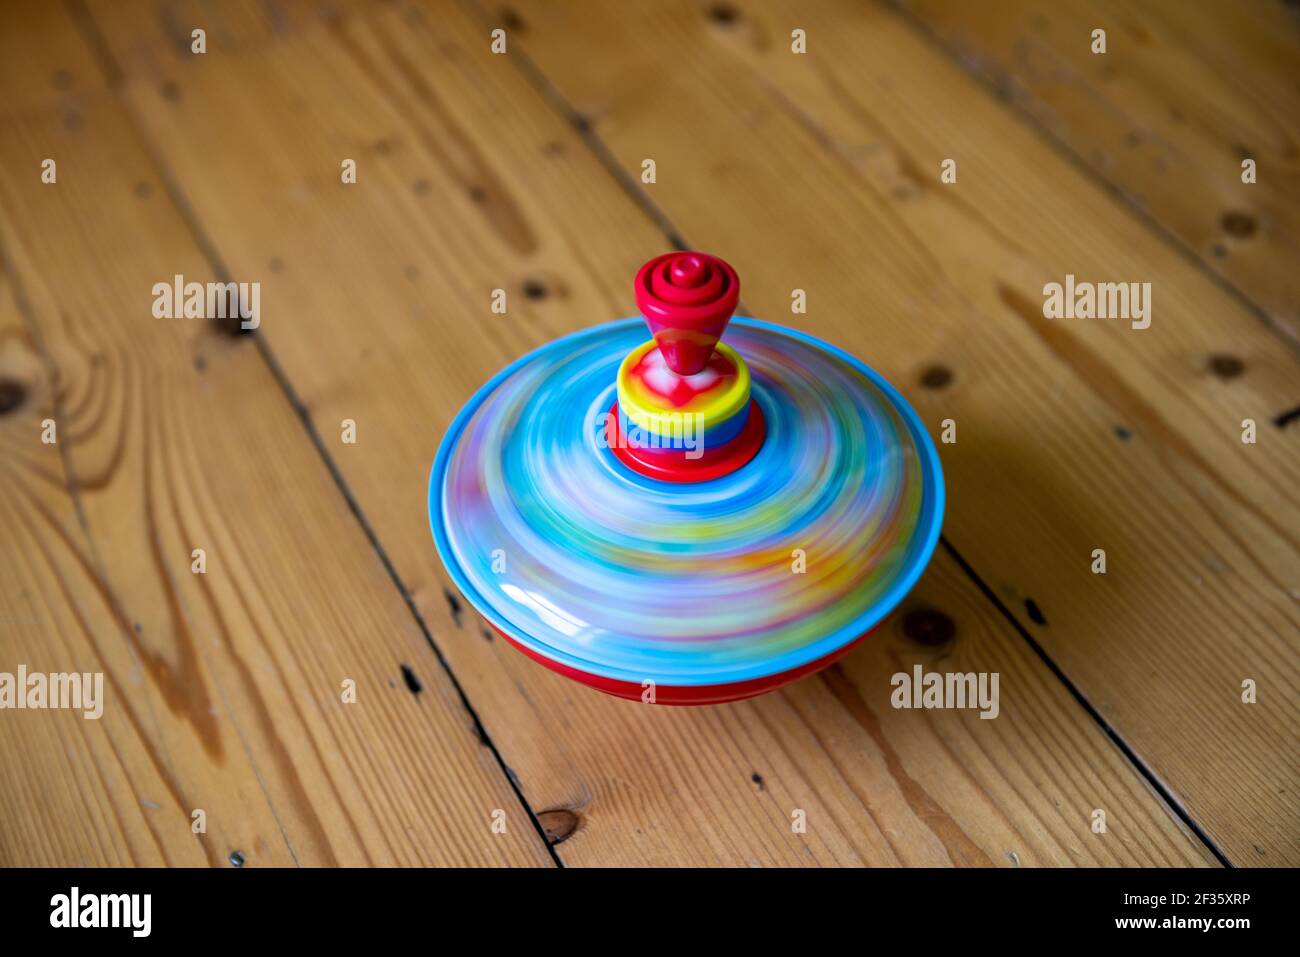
x: 1186, y: 90
x: 821, y: 172
x: 65, y: 796
x: 469, y: 181
x: 224, y: 689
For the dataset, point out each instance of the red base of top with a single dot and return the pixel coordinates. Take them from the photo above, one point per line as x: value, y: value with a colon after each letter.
x: 688, y: 694
x: 672, y: 465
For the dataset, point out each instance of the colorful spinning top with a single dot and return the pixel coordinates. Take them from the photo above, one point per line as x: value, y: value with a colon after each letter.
x: 685, y: 520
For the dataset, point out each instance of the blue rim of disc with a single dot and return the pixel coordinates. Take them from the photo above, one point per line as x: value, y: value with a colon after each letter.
x: 928, y: 528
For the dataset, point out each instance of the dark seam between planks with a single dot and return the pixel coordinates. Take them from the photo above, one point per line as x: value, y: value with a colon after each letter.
x: 116, y: 79
x: 674, y: 236
x: 480, y: 729
x: 1173, y: 803
x: 930, y: 36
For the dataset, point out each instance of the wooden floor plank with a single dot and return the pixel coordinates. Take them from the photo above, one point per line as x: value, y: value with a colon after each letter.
x: 1186, y: 90
x: 73, y: 806
x: 821, y: 172
x: 377, y: 309
x: 224, y: 690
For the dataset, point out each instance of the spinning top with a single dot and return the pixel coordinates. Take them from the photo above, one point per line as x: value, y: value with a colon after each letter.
x: 686, y: 520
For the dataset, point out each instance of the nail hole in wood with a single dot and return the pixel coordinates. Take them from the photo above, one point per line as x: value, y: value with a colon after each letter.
x: 1240, y: 225
x: 929, y: 627
x: 453, y: 605
x: 723, y: 13
x: 1226, y: 367
x: 412, y: 683
x: 936, y: 376
x: 12, y: 395
x: 232, y: 326
x: 1287, y: 417
x: 1035, y: 613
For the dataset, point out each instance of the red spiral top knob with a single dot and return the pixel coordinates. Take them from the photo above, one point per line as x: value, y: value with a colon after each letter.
x: 687, y: 300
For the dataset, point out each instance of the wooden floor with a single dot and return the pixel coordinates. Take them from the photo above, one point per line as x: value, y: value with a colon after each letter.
x: 1120, y: 693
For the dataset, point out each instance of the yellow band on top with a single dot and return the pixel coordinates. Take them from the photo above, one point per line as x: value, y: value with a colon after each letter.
x: 650, y: 412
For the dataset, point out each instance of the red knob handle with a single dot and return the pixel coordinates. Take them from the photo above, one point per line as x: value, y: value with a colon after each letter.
x: 687, y: 300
